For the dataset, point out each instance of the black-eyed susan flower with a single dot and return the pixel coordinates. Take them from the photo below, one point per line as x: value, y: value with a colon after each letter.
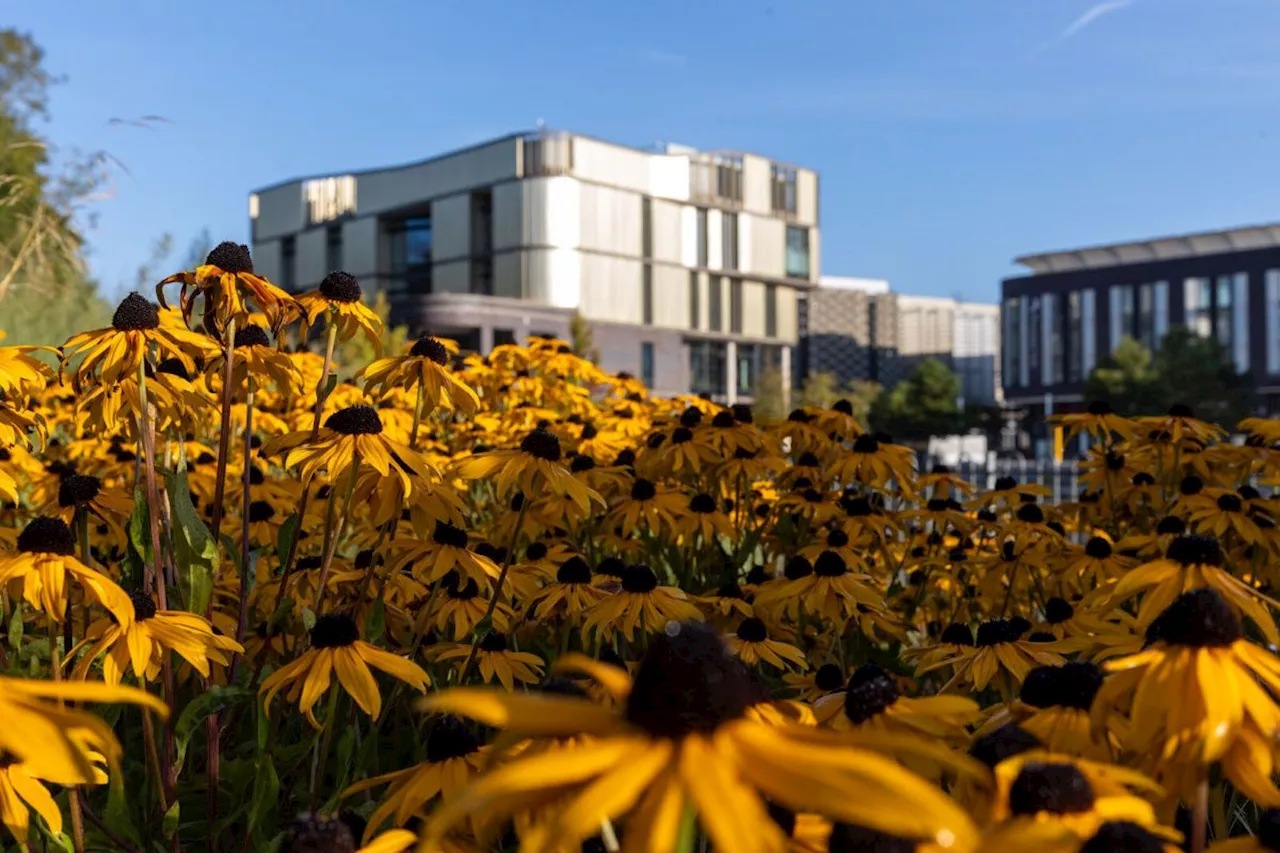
x: 46, y: 559
x: 1054, y: 705
x: 339, y: 299
x: 425, y: 366
x: 569, y: 596
x: 106, y: 356
x: 999, y: 650
x: 255, y: 357
x: 145, y: 643
x: 336, y: 648
x: 1200, y: 696
x: 21, y: 793
x: 1099, y: 420
x: 533, y: 467
x: 1099, y: 560
x: 458, y: 607
x: 816, y: 682
x: 647, y: 505
x: 871, y: 701
x: 829, y: 589
x: 495, y: 660
x: 21, y: 373
x: 640, y: 603
x: 445, y: 551
x: 875, y: 461
x: 231, y: 290
x: 752, y: 644
x: 701, y: 517
x: 681, y: 738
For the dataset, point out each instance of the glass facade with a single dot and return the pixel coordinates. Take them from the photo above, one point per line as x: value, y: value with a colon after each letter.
x: 410, y: 241
x: 646, y: 363
x: 797, y: 257
x: 707, y: 367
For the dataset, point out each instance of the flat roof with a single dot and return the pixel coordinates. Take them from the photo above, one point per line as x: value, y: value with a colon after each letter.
x: 849, y: 282
x: 1156, y: 249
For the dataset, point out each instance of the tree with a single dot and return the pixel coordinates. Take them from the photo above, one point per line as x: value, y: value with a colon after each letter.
x: 1188, y: 368
x: 583, y: 343
x: 44, y: 290
x: 820, y: 390
x: 922, y: 405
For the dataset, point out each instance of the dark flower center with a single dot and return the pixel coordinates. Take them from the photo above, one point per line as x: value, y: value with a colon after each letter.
x: 493, y: 642
x: 1142, y: 478
x: 1195, y: 550
x: 558, y: 685
x: 1100, y: 407
x: 837, y: 538
x: 856, y: 507
x: 723, y: 419
x: 691, y: 417
x: 541, y: 444
x: 681, y: 435
x: 1121, y: 836
x: 1005, y: 742
x: 842, y: 406
x: 78, y: 490
x: 136, y: 314
x: 44, y: 535
x: 1031, y: 514
x: 448, y: 738
x: 1058, y: 610
x: 936, y: 505
x: 829, y: 565
x: 143, y: 606
x: 261, y: 511
x: 797, y: 567
x: 1114, y: 461
x: 1199, y: 618
x: 687, y: 683
x: 869, y: 692
x: 355, y: 420
x: 451, y: 581
x: 310, y: 563
x: 999, y: 631
x: 588, y: 431
x: 625, y: 458
x: 1191, y: 485
x: 334, y: 631
x: 702, y: 503
x: 612, y: 567
x: 1098, y: 548
x: 829, y: 677
x: 1230, y: 502
x: 744, y: 453
x: 429, y: 348
x: 813, y: 496
x: 799, y: 416
x: 339, y: 286
x: 1171, y: 525
x: 866, y: 444
x: 1269, y: 829
x: 318, y: 834
x: 752, y: 630
x: 1053, y: 788
x: 847, y: 838
x: 536, y: 551
x: 1181, y: 410
x: 449, y: 536
x: 730, y: 589
x: 742, y: 413
x: 957, y: 635
x: 639, y: 578
x: 580, y: 463
x: 252, y: 336
x: 230, y: 257
x: 1072, y: 685
x: 1004, y: 484
x: 574, y: 570
x: 643, y: 490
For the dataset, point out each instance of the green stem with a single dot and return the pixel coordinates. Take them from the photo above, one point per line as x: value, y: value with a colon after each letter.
x: 484, y: 623
x: 224, y: 437
x: 688, y: 835
x: 336, y: 537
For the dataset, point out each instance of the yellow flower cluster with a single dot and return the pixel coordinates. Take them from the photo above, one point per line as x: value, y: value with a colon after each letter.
x: 512, y: 602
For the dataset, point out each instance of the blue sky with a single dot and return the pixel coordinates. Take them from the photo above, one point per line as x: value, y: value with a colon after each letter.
x: 950, y: 135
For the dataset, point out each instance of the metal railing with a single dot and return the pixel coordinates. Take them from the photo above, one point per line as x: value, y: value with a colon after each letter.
x: 1062, y: 478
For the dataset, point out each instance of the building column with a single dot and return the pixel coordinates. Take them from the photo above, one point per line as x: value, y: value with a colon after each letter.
x: 731, y: 373
x: 486, y: 339
x: 784, y: 365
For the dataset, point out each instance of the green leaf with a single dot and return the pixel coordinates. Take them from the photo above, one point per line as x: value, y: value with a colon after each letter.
x: 346, y: 745
x: 284, y: 540
x: 140, y: 527
x: 266, y: 790
x: 117, y: 815
x: 308, y: 618
x: 15, y: 627
x: 170, y: 824
x: 212, y: 701
x: 377, y: 622
x: 194, y: 548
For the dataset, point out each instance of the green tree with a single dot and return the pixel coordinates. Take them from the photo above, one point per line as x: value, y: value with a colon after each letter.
x: 44, y: 292
x: 820, y: 390
x: 922, y: 405
x: 1127, y: 379
x: 583, y: 339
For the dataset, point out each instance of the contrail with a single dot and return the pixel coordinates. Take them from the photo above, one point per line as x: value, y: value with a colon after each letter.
x: 1090, y: 15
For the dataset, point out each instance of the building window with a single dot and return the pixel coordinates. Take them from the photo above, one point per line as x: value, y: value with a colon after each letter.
x: 707, y: 368
x: 771, y: 311
x: 694, y: 302
x: 1034, y: 344
x: 1054, y: 316
x: 646, y: 363
x: 783, y: 181
x: 746, y: 369
x: 735, y: 306
x: 468, y: 339
x: 482, y: 241
x: 797, y: 261
x: 1273, y: 321
x: 729, y: 178
x: 715, y: 321
x: 1075, y: 350
x: 410, y: 247
x: 333, y: 248
x: 503, y: 337
x: 1012, y: 341
x: 289, y: 264
x: 646, y: 227
x: 702, y: 237
x: 1146, y: 316
x: 729, y: 240
x: 1222, y: 325
x: 646, y: 296
x: 1198, y: 306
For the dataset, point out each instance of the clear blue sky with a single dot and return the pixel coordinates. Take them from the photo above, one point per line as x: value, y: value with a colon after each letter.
x: 950, y: 135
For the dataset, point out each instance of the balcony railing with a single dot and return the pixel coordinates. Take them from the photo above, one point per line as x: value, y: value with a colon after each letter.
x: 548, y: 153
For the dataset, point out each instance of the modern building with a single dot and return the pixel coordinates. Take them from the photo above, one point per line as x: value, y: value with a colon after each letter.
x: 686, y: 264
x: 858, y: 329
x: 1077, y: 305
